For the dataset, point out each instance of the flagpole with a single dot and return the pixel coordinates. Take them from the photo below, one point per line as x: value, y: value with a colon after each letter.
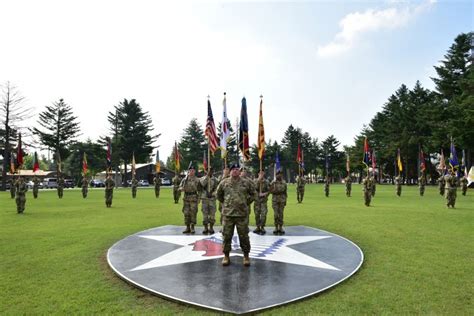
x: 208, y: 167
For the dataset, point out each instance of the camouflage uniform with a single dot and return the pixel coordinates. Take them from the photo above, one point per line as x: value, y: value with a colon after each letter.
x: 134, y: 187
x: 260, y: 205
x: 176, y: 192
x: 21, y: 189
x: 464, y: 185
x: 85, y: 187
x: 190, y: 187
x: 36, y: 182
x: 326, y: 187
x: 450, y: 189
x: 300, y: 183
x: 222, y: 177
x: 236, y: 194
x: 421, y: 184
x: 374, y: 185
x: 12, y: 188
x: 441, y: 185
x: 60, y: 186
x: 208, y: 198
x: 367, y: 187
x: 348, y: 181
x: 398, y: 183
x: 109, y: 191
x: 278, y: 189
x: 157, y: 183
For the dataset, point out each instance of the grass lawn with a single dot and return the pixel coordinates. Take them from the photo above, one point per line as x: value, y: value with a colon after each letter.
x: 419, y: 255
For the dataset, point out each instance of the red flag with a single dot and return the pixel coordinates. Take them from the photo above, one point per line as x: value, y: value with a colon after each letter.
x: 299, y: 158
x: 19, y: 156
x: 204, y: 161
x: 367, y: 159
x: 35, y: 162
x: 109, y: 154
x: 422, y: 161
x: 374, y: 162
x: 84, y: 164
x: 211, y: 129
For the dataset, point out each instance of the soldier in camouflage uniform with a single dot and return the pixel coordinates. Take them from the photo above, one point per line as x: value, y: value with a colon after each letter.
x: 235, y: 193
x: 245, y: 176
x: 326, y: 186
x: 398, y: 183
x: 225, y: 174
x: 300, y: 183
x: 12, y: 188
x: 21, y: 189
x: 422, y: 183
x: 374, y: 185
x: 208, y: 186
x: 441, y: 185
x: 260, y: 208
x: 464, y: 182
x: 348, y: 181
x: 176, y: 192
x: 367, y: 187
x: 157, y: 183
x: 109, y: 190
x: 278, y: 189
x: 450, y: 188
x: 190, y: 186
x: 60, y: 186
x: 36, y: 183
x: 134, y: 187
x: 85, y: 186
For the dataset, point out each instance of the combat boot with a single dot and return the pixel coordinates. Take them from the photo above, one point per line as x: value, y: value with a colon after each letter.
x: 192, y: 229
x: 211, y: 229
x: 281, y: 231
x: 262, y: 230
x: 257, y: 230
x: 206, y: 230
x: 226, y: 259
x: 187, y: 230
x: 246, y: 260
x: 275, y: 232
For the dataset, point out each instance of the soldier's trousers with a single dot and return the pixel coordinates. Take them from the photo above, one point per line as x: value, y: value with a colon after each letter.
x: 190, y: 209
x: 373, y: 190
x: 60, y: 192
x: 134, y: 192
x: 399, y: 190
x: 260, y: 208
x: 242, y: 224
x: 208, y: 209
x: 109, y: 194
x: 441, y: 191
x: 464, y: 189
x: 348, y: 191
x: 220, y: 211
x: 326, y: 191
x: 20, y: 203
x: 422, y: 190
x: 300, y: 194
x: 157, y: 192
x: 278, y: 209
x: 450, y: 197
x: 35, y: 193
x: 12, y: 193
x: 367, y: 197
x: 84, y: 192
x: 176, y: 194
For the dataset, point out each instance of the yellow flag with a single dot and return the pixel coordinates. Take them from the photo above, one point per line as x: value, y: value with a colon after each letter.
x: 399, y: 161
x: 261, y: 134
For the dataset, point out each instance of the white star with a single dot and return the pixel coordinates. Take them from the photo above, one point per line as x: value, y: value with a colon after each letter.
x: 272, y: 248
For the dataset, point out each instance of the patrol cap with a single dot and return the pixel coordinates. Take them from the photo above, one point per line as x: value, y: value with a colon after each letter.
x: 234, y: 166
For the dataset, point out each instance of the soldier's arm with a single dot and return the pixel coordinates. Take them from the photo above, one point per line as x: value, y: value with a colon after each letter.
x: 220, y: 193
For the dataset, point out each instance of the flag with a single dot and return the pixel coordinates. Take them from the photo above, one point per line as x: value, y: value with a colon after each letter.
x: 177, y: 164
x: 422, y: 161
x: 244, y: 131
x: 58, y: 162
x: 134, y: 171
x: 298, y: 155
x: 204, y: 160
x: 84, y: 164
x: 463, y: 163
x: 327, y: 163
x: 261, y: 133
x: 367, y: 158
x: 442, y: 162
x: 35, y: 162
x: 302, y: 160
x: 453, y: 157
x: 157, y: 163
x: 277, y: 165
x: 348, y: 164
x: 19, y: 156
x: 374, y: 161
x: 109, y: 154
x: 399, y: 161
x: 12, y: 163
x: 225, y: 131
x: 211, y: 129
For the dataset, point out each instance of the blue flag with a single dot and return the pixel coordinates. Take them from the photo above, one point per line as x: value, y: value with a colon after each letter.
x: 453, y: 157
x: 277, y: 162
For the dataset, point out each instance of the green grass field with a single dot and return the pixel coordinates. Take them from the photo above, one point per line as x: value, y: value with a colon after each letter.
x: 419, y: 255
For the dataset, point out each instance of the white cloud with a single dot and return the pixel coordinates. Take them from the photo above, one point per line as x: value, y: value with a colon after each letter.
x: 354, y: 25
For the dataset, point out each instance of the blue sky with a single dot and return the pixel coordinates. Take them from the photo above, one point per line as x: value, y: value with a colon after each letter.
x: 324, y: 66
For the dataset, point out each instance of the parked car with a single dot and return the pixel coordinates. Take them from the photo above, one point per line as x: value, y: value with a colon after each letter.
x: 143, y: 183
x: 69, y: 183
x: 96, y: 183
x: 30, y: 184
x: 50, y: 183
x: 165, y: 181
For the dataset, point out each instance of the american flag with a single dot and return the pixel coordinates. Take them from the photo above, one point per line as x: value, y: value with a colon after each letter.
x: 211, y: 129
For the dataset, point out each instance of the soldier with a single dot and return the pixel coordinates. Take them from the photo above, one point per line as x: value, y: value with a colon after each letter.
x: 157, y: 183
x: 422, y: 183
x: 235, y: 194
x: 367, y: 187
x: 464, y: 182
x: 441, y: 185
x: 348, y: 181
x: 60, y: 186
x: 278, y: 189
x: 36, y: 182
x: 450, y: 188
x: 326, y: 186
x: 245, y: 176
x: 300, y: 183
x: 12, y: 187
x: 208, y: 185
x: 109, y: 190
x: 225, y: 174
x: 190, y: 186
x: 85, y: 186
x: 176, y: 192
x: 134, y: 187
x: 260, y: 208
x: 374, y: 185
x: 398, y: 183
x: 20, y: 188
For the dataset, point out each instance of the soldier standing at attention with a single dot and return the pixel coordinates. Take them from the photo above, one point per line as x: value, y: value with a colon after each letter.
x: 260, y: 205
x: 60, y: 186
x: 326, y: 186
x: 208, y: 185
x: 278, y: 189
x: 348, y: 181
x: 225, y: 174
x: 36, y: 182
x: 85, y: 186
x: 235, y: 194
x: 398, y: 183
x: 367, y: 187
x: 450, y: 188
x: 441, y: 185
x: 464, y: 184
x: 300, y: 183
x: 176, y: 192
x: 190, y: 186
x: 245, y: 176
x: 109, y: 190
x: 374, y: 185
x: 12, y: 187
x: 134, y: 187
x: 422, y: 183
x: 157, y: 183
x: 21, y: 189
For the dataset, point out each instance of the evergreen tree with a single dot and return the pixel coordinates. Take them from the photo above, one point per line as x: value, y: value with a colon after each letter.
x: 335, y: 158
x: 95, y: 153
x: 192, y: 145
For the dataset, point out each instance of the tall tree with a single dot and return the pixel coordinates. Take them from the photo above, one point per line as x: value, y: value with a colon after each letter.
x: 192, y: 144
x: 95, y: 159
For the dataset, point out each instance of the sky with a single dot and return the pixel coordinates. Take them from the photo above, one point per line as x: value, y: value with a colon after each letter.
x: 324, y: 66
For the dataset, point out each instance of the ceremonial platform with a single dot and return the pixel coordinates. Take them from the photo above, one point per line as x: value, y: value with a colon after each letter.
x: 187, y: 268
